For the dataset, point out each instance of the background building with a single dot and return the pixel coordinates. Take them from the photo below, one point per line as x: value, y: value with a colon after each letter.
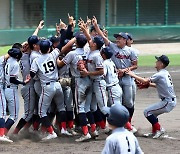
x: 147, y: 20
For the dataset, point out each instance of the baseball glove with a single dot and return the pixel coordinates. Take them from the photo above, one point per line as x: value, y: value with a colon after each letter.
x: 65, y: 81
x: 141, y: 85
x: 81, y: 65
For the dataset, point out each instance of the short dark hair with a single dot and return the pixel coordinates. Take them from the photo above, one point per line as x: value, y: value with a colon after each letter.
x: 81, y: 40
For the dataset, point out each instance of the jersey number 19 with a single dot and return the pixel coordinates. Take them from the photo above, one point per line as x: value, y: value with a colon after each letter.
x: 49, y: 66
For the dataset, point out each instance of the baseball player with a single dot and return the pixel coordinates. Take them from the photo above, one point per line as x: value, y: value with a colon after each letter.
x: 120, y: 141
x: 33, y: 42
x: 45, y: 67
x: 162, y: 81
x: 27, y: 91
x: 111, y: 77
x: 3, y: 138
x: 95, y: 70
x: 11, y: 86
x: 129, y: 43
x: 82, y: 87
x: 124, y: 59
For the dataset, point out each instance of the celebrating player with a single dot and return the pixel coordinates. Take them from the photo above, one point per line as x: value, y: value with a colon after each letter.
x: 162, y: 81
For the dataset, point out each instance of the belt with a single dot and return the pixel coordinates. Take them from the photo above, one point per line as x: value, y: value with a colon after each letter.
x: 11, y: 87
x: 165, y: 98
x: 48, y: 83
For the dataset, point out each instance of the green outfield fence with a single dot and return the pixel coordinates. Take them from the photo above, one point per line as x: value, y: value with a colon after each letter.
x: 147, y: 20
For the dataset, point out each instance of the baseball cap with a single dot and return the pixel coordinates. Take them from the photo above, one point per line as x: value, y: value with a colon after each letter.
x: 107, y: 52
x: 121, y: 34
x: 33, y: 40
x: 99, y: 41
x: 164, y: 59
x: 45, y: 45
x: 54, y: 39
x: 129, y: 36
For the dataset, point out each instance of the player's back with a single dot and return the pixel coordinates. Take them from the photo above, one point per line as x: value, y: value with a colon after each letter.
x: 110, y: 73
x: 47, y: 67
x: 121, y: 141
x: 11, y: 70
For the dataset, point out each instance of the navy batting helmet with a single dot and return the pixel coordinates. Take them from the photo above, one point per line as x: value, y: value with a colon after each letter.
x: 15, y: 53
x: 118, y: 115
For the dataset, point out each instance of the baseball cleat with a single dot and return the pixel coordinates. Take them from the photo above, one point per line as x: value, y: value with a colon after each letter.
x: 94, y: 134
x: 72, y: 131
x: 148, y: 134
x: 50, y: 136
x: 159, y: 133
x: 84, y: 138
x: 5, y: 139
x: 65, y: 132
x: 133, y: 130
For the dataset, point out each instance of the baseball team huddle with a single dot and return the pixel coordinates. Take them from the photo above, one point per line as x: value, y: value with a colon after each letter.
x: 80, y: 79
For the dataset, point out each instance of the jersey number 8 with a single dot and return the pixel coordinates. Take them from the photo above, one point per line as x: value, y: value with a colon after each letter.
x: 49, y: 66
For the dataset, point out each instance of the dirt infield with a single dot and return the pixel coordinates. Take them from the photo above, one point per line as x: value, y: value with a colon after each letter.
x: 66, y: 145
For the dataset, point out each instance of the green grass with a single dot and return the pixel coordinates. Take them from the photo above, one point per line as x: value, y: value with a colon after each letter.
x: 149, y: 60
x: 4, y: 50
x: 144, y: 60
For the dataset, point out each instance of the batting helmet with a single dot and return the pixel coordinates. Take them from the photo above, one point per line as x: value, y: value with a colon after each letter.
x: 118, y: 115
x: 15, y: 53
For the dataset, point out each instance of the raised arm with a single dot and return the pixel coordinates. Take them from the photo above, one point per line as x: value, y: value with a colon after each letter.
x: 39, y: 27
x: 94, y: 22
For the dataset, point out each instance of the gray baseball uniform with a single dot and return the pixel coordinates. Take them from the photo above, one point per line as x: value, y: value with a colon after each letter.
x: 82, y: 85
x: 112, y: 82
x: 123, y: 58
x: 166, y: 93
x: 37, y: 84
x: 27, y: 91
x: 2, y: 95
x: 94, y: 62
x: 46, y: 69
x: 121, y: 141
x: 11, y: 90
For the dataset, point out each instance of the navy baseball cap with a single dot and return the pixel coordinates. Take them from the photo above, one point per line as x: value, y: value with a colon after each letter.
x: 129, y: 36
x: 164, y: 59
x: 99, y: 41
x: 45, y: 45
x: 107, y: 52
x: 121, y: 34
x: 54, y: 39
x: 33, y: 40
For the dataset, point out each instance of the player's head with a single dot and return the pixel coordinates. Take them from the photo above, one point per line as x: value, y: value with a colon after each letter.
x: 34, y: 42
x: 15, y: 53
x: 106, y: 53
x: 45, y: 46
x: 18, y: 46
x: 118, y: 115
x: 93, y: 30
x: 55, y: 41
x: 162, y: 62
x: 129, y: 41
x: 80, y: 40
x: 96, y: 43
x: 121, y: 39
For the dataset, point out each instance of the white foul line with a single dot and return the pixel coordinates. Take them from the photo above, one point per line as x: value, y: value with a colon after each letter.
x: 171, y: 71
